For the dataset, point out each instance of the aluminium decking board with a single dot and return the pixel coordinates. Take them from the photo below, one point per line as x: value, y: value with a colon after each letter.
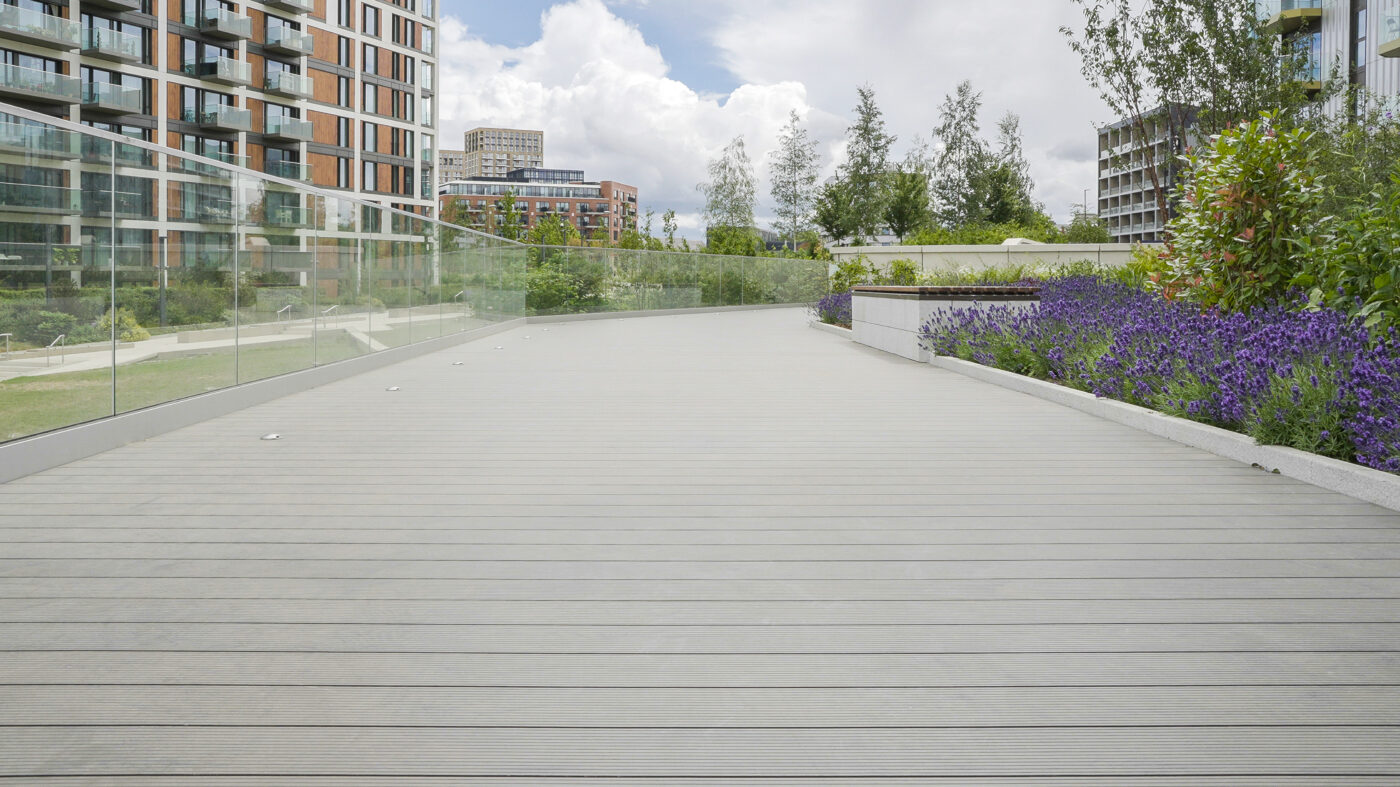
x: 686, y: 548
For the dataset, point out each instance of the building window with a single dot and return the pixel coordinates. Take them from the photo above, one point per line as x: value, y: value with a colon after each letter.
x: 369, y: 136
x: 343, y: 52
x: 342, y: 173
x: 370, y: 98
x: 342, y: 132
x: 369, y: 180
x: 369, y: 62
x: 427, y: 115
x: 343, y: 92
x: 370, y: 24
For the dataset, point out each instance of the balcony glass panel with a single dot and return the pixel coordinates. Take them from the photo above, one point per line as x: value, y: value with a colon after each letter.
x: 287, y: 83
x: 38, y: 85
x: 291, y: 170
x: 288, y: 40
x: 37, y: 27
x: 110, y: 97
x: 221, y: 117
x: 217, y: 68
x: 287, y: 127
x: 35, y: 139
x: 219, y: 21
x: 35, y: 198
x: 104, y: 42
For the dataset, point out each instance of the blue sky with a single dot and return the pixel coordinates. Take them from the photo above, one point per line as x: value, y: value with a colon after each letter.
x: 648, y: 91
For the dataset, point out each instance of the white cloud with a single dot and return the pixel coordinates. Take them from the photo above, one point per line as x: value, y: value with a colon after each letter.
x: 607, y: 104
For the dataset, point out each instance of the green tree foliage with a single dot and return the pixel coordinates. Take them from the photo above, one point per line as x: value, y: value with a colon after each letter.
x: 907, y: 209
x: 1247, y: 209
x: 668, y: 228
x: 1086, y: 228
x: 510, y: 217
x: 553, y: 230
x: 962, y: 156
x: 833, y: 212
x: 729, y: 201
x: 794, y: 186
x: 1354, y: 264
x: 865, y: 172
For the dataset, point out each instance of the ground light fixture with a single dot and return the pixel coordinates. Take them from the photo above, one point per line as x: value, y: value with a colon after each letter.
x: 392, y: 388
x: 271, y: 436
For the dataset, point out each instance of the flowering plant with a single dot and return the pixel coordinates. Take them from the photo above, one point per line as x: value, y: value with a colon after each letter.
x: 835, y: 309
x: 1313, y: 379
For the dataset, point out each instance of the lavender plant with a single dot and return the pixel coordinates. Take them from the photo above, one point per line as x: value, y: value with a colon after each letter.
x: 1316, y: 380
x: 835, y: 309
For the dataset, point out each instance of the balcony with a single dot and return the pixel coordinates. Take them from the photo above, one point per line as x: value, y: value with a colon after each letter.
x: 288, y: 41
x: 35, y: 27
x: 192, y: 164
x: 224, y: 70
x: 37, y: 141
x: 111, y: 44
x: 120, y: 205
x: 32, y: 198
x: 113, y: 5
x: 296, y: 6
x: 1389, y: 35
x: 35, y: 85
x: 1287, y: 16
x: 287, y: 129
x: 221, y: 118
x: 220, y: 22
x: 206, y: 209
x: 291, y: 170
x: 285, y: 83
x: 287, y: 216
x: 114, y: 99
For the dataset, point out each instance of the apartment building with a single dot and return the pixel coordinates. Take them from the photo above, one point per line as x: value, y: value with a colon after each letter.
x: 452, y: 165
x: 336, y: 93
x: 598, y: 208
x: 495, y: 152
x: 1128, y: 202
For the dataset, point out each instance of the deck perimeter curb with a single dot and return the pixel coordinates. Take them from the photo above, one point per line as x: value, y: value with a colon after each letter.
x: 835, y: 330
x: 1363, y: 483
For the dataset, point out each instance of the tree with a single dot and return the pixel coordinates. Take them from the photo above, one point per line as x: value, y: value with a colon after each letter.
x: 794, y: 187
x: 1206, y: 64
x: 867, y: 165
x: 908, y: 204
x: 729, y: 201
x: 833, y: 211
x: 510, y: 217
x: 1086, y: 228
x: 962, y: 157
x: 668, y: 228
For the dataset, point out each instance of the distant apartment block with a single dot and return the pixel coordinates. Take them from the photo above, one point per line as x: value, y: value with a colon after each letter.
x: 1128, y: 201
x: 452, y: 165
x: 597, y: 208
x: 334, y: 93
x: 495, y: 152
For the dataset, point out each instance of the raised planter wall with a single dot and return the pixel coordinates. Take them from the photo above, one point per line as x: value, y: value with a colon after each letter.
x: 931, y: 259
x: 890, y: 318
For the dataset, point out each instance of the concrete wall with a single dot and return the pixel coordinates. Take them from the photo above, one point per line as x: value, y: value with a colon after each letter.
x: 947, y: 258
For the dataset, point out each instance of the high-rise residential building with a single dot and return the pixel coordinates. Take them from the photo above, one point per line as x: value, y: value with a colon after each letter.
x: 335, y: 93
x: 597, y: 208
x: 494, y: 152
x: 452, y: 165
x: 1128, y: 202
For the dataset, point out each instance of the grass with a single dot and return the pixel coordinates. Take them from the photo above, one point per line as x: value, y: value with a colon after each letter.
x: 29, y: 405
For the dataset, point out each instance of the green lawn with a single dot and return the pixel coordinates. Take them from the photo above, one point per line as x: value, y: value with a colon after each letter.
x: 37, y: 404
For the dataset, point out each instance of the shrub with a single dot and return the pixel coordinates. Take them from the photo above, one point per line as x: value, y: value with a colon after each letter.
x: 1354, y: 265
x: 128, y: 329
x: 850, y: 273
x: 1314, y: 380
x: 1247, y: 208
x: 835, y: 309
x: 901, y: 272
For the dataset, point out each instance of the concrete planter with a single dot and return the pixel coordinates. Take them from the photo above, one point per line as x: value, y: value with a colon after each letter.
x: 890, y: 318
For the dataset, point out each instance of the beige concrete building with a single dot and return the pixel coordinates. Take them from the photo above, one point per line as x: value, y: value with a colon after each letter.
x: 452, y: 165
x: 495, y: 152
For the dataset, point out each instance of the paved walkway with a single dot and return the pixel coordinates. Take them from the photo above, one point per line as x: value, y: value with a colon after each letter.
x: 672, y: 549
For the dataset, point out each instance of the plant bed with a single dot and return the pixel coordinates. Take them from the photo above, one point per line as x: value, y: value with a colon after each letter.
x: 1311, y: 379
x: 893, y: 318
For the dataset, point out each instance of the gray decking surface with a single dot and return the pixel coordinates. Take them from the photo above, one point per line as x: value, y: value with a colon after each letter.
x: 668, y: 549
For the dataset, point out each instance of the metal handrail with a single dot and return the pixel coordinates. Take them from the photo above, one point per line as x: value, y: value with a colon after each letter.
x: 62, y: 342
x: 286, y: 308
x: 7, y: 341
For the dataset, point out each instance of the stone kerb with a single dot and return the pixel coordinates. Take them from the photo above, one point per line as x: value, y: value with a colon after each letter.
x: 891, y: 318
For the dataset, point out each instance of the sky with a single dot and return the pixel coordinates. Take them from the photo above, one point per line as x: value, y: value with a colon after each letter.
x: 647, y: 92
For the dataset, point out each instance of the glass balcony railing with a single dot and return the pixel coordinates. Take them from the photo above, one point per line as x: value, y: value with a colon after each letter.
x: 285, y: 39
x: 107, y: 97
x: 285, y: 83
x: 1287, y: 16
x: 299, y: 6
x: 115, y: 5
x: 287, y: 128
x: 99, y: 151
x: 1389, y: 33
x: 33, y: 198
x: 202, y: 162
x: 36, y: 27
x: 224, y: 70
x: 291, y: 170
x: 33, y: 139
x: 220, y: 117
x: 206, y: 209
x: 287, y: 216
x: 215, y: 20
x: 36, y: 85
x: 110, y: 44
x: 120, y: 204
